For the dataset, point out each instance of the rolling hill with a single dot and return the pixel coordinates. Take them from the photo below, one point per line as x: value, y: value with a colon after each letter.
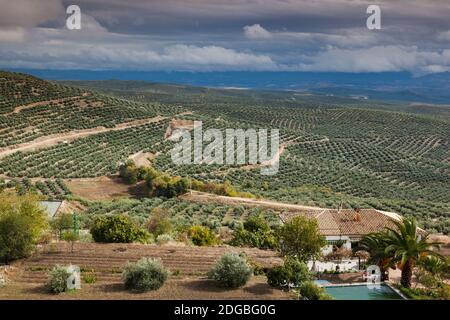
x: 338, y: 150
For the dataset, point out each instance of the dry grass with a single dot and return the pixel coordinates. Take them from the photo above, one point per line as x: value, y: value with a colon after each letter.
x: 101, y: 188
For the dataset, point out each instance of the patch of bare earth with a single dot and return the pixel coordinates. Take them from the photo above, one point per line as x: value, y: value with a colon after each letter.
x: 176, y: 124
x: 101, y: 188
x: 142, y: 158
x: 188, y: 266
x: 203, y: 197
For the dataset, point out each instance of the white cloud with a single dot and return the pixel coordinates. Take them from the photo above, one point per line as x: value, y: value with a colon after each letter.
x: 443, y: 36
x: 12, y: 34
x: 99, y: 49
x: 256, y: 32
x: 214, y: 55
x: 377, y: 59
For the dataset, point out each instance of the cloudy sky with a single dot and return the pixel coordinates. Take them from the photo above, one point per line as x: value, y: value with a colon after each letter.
x: 207, y: 35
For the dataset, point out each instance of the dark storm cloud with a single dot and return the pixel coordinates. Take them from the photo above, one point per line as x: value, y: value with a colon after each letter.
x: 228, y: 35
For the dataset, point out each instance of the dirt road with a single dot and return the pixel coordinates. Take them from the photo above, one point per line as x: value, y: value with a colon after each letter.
x: 47, y: 141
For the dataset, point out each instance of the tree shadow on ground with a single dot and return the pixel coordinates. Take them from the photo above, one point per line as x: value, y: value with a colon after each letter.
x: 111, y: 287
x: 259, y: 289
x: 204, y: 285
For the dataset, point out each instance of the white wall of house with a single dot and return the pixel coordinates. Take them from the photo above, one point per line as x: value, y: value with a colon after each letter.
x: 329, y: 247
x: 344, y: 265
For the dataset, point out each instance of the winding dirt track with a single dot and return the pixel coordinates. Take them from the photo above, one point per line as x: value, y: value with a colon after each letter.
x: 47, y: 141
x: 204, y: 197
x: 40, y: 103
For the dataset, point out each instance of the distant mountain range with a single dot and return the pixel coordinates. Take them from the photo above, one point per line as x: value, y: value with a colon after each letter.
x: 387, y: 86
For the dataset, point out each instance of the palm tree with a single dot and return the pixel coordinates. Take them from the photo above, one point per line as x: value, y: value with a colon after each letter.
x: 375, y: 244
x: 407, y: 246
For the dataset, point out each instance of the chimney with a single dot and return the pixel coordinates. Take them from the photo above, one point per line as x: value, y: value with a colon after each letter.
x: 357, y: 216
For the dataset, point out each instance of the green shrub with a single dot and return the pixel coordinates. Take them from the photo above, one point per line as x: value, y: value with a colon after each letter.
x: 117, y: 229
x: 60, y: 223
x: 310, y: 291
x: 256, y: 222
x: 159, y: 222
x: 258, y: 239
x: 22, y: 224
x: 231, y: 271
x: 177, y: 272
x: 145, y: 275
x: 258, y: 269
x: 57, y: 282
x: 167, y: 186
x: 202, y: 236
x: 301, y: 238
x: 85, y: 238
x: 89, y: 277
x: 16, y: 240
x: 278, y: 277
x: 256, y: 233
x: 128, y: 172
x: 293, y: 272
x: 441, y: 293
x: 163, y: 239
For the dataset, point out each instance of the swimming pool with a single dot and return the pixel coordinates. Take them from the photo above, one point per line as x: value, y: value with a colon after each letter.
x: 362, y: 292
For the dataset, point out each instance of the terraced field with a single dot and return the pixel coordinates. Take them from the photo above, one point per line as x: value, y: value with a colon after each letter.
x: 106, y: 261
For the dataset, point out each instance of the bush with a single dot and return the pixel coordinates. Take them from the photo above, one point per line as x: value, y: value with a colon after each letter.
x: 117, y: 229
x: 61, y: 223
x: 278, y: 277
x: 202, y: 236
x: 22, y: 224
x: 301, y: 238
x: 166, y: 186
x: 57, y: 282
x: 145, y: 275
x: 258, y: 239
x: 258, y: 269
x: 293, y: 272
x: 311, y: 291
x: 16, y: 240
x: 231, y: 271
x: 159, y: 223
x: 90, y: 277
x: 128, y: 172
x: 163, y: 239
x: 256, y: 223
x: 256, y: 233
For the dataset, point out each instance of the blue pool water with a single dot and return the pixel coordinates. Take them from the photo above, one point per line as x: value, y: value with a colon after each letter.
x: 362, y: 292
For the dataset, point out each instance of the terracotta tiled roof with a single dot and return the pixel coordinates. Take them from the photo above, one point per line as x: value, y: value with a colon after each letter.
x: 348, y: 222
x: 363, y: 222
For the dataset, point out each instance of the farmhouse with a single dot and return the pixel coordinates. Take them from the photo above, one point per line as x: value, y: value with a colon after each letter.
x: 347, y: 226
